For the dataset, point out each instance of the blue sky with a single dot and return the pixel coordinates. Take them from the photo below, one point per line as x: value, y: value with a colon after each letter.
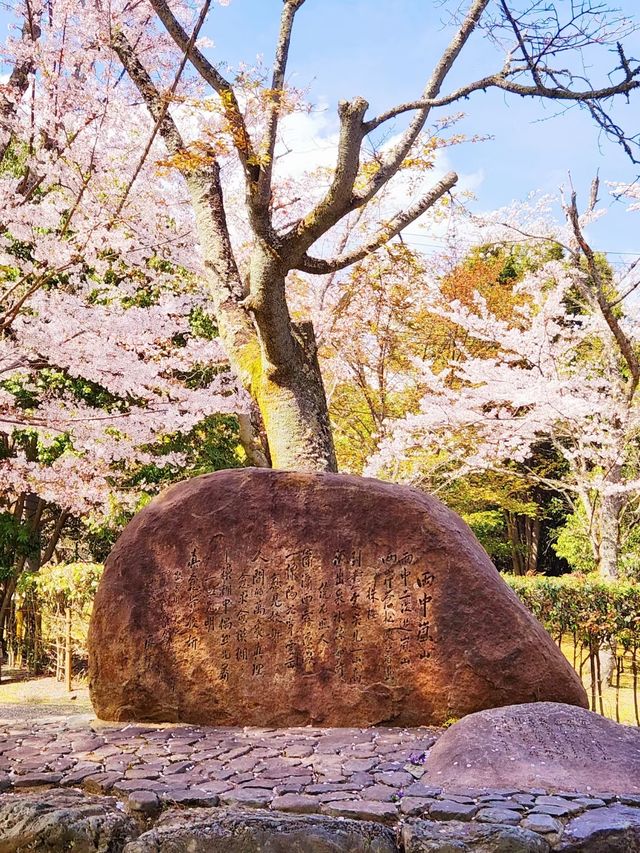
x: 384, y: 51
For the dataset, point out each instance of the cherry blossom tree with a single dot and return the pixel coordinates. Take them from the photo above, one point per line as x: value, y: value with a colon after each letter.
x: 563, y: 371
x: 274, y: 356
x: 107, y: 350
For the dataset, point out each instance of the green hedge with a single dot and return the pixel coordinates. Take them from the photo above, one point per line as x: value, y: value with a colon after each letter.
x: 593, y: 611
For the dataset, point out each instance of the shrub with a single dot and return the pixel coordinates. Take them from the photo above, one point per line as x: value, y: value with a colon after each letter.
x: 594, y: 612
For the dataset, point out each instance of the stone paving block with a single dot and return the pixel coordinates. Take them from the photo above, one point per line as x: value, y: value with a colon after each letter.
x: 32, y: 780
x: 213, y: 786
x: 145, y: 802
x: 450, y: 810
x: 334, y: 796
x: 613, y: 829
x: 513, y: 805
x: 190, y: 797
x: 141, y: 773
x: 498, y: 815
x: 256, y: 797
x: 397, y: 779
x: 556, y: 811
x: 361, y: 809
x: 300, y: 803
x: 420, y: 790
x: 542, y: 823
x: 592, y: 802
x: 382, y: 793
x: 296, y: 787
x: 460, y: 798
x: 525, y: 799
x: 412, y: 806
x: 355, y: 764
x: 62, y: 765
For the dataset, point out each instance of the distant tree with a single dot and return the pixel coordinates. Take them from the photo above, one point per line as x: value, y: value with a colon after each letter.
x: 563, y: 371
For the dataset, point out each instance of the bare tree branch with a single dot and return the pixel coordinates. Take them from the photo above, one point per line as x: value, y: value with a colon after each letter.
x: 267, y: 147
x: 220, y: 84
x: 394, y: 159
x: 339, y: 196
x: 595, y: 286
x: 55, y: 536
x: 398, y: 223
x: 502, y: 81
x: 163, y: 110
x: 150, y: 94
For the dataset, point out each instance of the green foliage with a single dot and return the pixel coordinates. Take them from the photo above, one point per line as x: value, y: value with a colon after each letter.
x: 572, y: 542
x: 629, y: 562
x: 62, y: 585
x: 594, y: 611
x: 56, y: 587
x: 15, y: 539
x: 55, y: 381
x: 490, y: 530
x: 211, y: 445
x: 203, y: 325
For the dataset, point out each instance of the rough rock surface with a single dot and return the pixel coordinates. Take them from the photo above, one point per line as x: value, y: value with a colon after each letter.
x: 615, y: 829
x: 56, y: 821
x: 425, y: 836
x: 275, y: 598
x: 216, y: 831
x: 540, y: 745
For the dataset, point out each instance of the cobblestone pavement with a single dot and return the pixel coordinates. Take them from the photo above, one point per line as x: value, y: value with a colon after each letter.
x: 371, y: 774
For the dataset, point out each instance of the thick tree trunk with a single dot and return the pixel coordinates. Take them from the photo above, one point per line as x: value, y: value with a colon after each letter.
x: 294, y: 409
x: 524, y: 538
x: 609, y: 550
x: 275, y: 358
x: 517, y: 561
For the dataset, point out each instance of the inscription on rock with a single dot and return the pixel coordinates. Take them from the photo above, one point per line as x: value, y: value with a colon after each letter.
x: 315, y: 611
x: 262, y: 597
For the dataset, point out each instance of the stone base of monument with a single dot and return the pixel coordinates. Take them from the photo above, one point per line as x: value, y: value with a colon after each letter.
x: 73, y: 785
x: 259, y: 597
x: 61, y: 821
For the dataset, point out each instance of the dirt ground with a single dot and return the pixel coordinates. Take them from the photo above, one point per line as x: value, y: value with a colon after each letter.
x: 22, y: 697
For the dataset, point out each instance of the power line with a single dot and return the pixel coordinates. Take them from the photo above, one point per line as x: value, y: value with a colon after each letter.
x: 431, y: 244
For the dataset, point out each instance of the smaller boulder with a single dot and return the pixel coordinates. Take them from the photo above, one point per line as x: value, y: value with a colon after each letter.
x: 538, y: 745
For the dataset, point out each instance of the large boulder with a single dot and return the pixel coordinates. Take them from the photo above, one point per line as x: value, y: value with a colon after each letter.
x: 543, y: 745
x: 259, y: 597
